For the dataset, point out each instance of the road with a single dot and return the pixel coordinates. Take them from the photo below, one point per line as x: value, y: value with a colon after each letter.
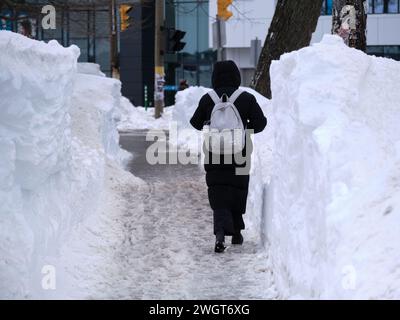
x: 168, y: 252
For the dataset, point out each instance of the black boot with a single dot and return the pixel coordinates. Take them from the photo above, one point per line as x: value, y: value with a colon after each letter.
x: 237, y: 238
x: 220, y: 241
x: 219, y: 247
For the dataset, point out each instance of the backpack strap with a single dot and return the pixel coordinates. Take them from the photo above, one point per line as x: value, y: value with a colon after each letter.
x: 214, y: 96
x: 235, y: 95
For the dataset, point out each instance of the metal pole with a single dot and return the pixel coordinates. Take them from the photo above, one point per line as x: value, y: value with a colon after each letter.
x: 89, y: 48
x: 198, y: 46
x: 94, y: 32
x: 113, y: 36
x: 159, y: 60
x: 220, y: 49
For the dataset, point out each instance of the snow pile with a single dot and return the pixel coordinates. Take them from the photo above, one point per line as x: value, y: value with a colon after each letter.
x: 261, y: 170
x: 334, y: 200
x: 138, y: 118
x: 35, y: 85
x: 95, y: 112
x: 53, y: 155
x: 90, y: 68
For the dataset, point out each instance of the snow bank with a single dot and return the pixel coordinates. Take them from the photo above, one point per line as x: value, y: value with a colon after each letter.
x: 36, y: 81
x: 138, y: 118
x: 334, y: 200
x: 52, y: 166
x: 95, y: 111
x: 90, y: 68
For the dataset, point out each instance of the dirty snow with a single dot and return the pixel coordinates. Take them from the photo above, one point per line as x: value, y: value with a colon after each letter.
x: 159, y: 245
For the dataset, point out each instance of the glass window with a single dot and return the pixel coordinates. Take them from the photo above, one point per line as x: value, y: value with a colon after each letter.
x: 193, y: 18
x: 6, y: 24
x: 326, y: 7
x: 78, y: 24
x: 82, y: 44
x: 370, y: 6
x: 329, y: 7
x: 102, y: 24
x: 384, y: 6
x: 103, y: 54
x: 392, y: 52
x: 375, y: 50
x: 378, y: 6
x: 393, y: 6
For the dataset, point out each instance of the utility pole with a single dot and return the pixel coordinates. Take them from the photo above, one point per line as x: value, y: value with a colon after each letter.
x: 223, y: 14
x: 220, y: 25
x: 159, y: 59
x: 113, y: 38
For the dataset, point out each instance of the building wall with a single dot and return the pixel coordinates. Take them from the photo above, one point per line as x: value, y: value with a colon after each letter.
x: 382, y: 29
x: 136, y: 56
x: 250, y: 17
x: 242, y: 58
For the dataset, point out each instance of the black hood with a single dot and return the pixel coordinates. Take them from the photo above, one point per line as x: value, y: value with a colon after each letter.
x: 226, y: 74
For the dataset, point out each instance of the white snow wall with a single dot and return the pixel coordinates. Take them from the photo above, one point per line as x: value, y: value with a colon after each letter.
x: 333, y: 212
x: 50, y: 173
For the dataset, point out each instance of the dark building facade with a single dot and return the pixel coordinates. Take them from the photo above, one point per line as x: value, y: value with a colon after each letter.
x: 136, y: 55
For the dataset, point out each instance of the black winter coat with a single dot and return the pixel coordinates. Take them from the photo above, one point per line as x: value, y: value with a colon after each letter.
x: 226, y: 189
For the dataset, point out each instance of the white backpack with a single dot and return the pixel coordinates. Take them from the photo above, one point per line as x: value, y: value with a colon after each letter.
x: 225, y: 133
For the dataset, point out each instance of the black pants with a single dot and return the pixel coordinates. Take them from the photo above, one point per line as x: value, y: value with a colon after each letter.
x: 227, y: 223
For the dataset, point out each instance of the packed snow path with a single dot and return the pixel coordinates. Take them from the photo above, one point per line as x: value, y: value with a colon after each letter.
x: 168, y: 248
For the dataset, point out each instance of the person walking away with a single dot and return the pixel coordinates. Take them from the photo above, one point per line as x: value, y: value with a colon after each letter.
x: 227, y: 190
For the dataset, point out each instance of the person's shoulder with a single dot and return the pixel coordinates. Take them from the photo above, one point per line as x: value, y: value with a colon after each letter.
x: 205, y: 99
x: 247, y: 95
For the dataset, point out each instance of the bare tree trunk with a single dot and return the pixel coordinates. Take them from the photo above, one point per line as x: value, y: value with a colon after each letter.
x: 349, y: 20
x: 291, y: 29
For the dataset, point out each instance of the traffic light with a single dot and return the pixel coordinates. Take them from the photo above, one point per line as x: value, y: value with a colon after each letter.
x: 174, y: 40
x: 124, y: 10
x: 223, y: 12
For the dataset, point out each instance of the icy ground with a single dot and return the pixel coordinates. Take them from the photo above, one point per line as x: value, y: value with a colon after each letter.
x: 165, y: 247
